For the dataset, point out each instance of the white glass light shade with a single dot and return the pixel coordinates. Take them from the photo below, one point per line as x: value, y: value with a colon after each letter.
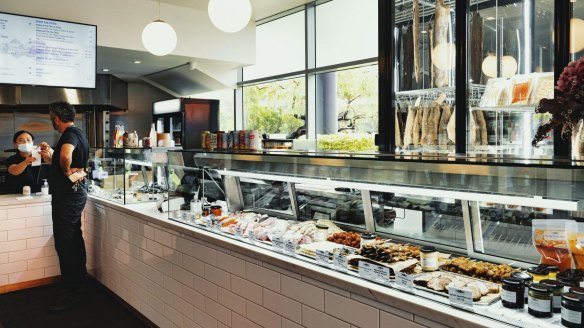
x: 230, y: 15
x: 159, y: 38
x: 509, y: 66
x: 443, y: 56
x: 576, y: 29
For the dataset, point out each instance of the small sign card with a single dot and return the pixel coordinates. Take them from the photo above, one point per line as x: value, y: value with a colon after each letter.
x: 404, y: 281
x: 322, y: 257
x: 278, y: 244
x: 339, y: 262
x: 238, y: 232
x: 374, y: 272
x: 460, y: 297
x: 290, y: 247
x: 251, y: 236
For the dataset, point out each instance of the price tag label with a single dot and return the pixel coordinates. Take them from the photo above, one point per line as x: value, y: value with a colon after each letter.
x: 339, y: 262
x: 278, y: 244
x: 238, y: 232
x: 322, y: 257
x: 208, y: 223
x: 404, y: 281
x: 374, y: 272
x: 460, y: 297
x: 251, y: 236
x: 290, y: 247
x: 217, y: 227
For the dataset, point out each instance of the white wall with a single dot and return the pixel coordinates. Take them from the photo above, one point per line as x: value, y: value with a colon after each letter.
x: 120, y: 23
x: 140, y: 98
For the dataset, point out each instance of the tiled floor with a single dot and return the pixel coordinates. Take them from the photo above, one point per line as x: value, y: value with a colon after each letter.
x: 28, y: 309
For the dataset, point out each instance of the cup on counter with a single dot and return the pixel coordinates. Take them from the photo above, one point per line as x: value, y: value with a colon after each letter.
x: 26, y: 191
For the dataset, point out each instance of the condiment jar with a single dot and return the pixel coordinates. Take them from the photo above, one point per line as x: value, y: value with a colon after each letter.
x: 572, y: 310
x: 576, y: 290
x: 216, y: 210
x: 527, y: 280
x: 367, y: 239
x: 513, y: 293
x: 538, y: 273
x: 429, y: 258
x: 540, y: 301
x: 557, y: 289
x: 552, y: 271
x: 321, y: 232
x: 570, y: 278
x: 206, y: 210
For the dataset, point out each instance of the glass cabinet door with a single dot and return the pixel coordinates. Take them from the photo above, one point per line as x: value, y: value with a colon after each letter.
x: 425, y: 49
x: 511, y: 63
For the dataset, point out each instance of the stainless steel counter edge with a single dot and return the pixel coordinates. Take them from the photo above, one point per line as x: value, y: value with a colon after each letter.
x: 442, y: 313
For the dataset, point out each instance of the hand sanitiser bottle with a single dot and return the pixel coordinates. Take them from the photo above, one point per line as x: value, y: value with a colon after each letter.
x: 45, y: 188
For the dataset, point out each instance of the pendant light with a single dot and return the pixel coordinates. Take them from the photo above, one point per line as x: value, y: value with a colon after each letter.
x: 229, y: 15
x: 158, y: 37
x: 508, y: 66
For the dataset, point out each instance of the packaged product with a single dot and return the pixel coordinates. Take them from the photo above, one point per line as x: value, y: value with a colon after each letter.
x: 493, y: 91
x: 575, y: 236
x: 549, y: 238
x: 543, y: 87
x: 521, y: 89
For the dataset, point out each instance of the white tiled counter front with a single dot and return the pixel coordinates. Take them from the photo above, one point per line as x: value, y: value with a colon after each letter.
x: 179, y: 276
x: 27, y: 249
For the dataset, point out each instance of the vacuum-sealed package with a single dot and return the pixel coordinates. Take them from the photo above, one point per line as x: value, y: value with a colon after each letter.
x: 549, y: 238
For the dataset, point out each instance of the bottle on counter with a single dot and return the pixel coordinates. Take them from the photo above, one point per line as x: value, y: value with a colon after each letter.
x: 152, y: 135
x: 45, y: 188
x: 429, y: 258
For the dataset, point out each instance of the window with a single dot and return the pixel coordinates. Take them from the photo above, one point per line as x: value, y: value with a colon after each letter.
x: 346, y: 30
x: 275, y: 107
x: 347, y: 116
x: 279, y: 47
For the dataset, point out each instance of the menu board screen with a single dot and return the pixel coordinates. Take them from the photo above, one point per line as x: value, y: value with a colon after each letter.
x: 39, y: 51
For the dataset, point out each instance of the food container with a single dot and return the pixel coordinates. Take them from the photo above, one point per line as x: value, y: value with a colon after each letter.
x: 321, y: 232
x: 557, y: 289
x: 220, y: 144
x: 216, y: 210
x: 540, y: 301
x: 572, y: 310
x: 527, y: 280
x: 429, y: 258
x: 538, y: 273
x: 255, y: 140
x: 206, y: 140
x: 513, y: 293
x: 212, y: 141
x: 277, y: 143
x: 367, y: 239
x: 570, y: 278
x: 206, y: 210
x: 242, y: 143
x: 576, y: 290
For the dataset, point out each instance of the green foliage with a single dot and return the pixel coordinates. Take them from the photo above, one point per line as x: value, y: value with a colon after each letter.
x: 348, y: 142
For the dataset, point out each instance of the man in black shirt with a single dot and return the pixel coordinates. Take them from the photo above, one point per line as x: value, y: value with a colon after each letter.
x: 69, y: 194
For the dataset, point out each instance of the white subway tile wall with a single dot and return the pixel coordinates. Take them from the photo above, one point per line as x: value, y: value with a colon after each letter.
x: 212, y: 287
x: 27, y: 249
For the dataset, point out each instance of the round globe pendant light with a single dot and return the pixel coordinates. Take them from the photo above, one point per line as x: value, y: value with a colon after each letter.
x: 159, y: 38
x: 230, y: 15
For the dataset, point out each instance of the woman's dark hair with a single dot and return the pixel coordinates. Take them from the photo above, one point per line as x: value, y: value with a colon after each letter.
x: 18, y: 133
x: 63, y: 110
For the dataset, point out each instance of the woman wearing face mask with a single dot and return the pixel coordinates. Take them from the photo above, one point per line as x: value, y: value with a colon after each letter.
x: 20, y: 169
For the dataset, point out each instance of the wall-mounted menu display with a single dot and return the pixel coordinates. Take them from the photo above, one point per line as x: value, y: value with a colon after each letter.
x: 39, y: 51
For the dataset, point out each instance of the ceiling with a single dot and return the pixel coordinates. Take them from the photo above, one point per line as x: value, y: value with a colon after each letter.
x: 120, y: 61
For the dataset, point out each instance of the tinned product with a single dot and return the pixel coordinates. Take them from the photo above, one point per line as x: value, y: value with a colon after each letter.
x: 255, y: 140
x: 220, y: 144
x: 236, y: 139
x: 229, y: 140
x: 212, y: 141
x: 572, y: 310
x: 206, y: 140
x: 512, y: 294
x: 540, y: 301
x: 429, y: 258
x: 242, y: 143
x: 558, y: 290
x: 224, y: 140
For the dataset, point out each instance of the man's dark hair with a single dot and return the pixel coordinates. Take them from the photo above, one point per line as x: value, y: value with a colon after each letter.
x: 18, y: 133
x: 63, y: 110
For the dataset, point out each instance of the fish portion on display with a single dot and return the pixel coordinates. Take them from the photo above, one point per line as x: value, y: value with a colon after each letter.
x: 482, y: 291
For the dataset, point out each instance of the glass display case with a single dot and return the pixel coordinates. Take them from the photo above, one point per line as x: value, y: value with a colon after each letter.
x: 128, y: 175
x: 478, y: 220
x: 510, y: 67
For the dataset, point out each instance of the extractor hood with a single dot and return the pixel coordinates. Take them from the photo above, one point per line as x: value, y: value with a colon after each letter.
x: 184, y: 80
x: 109, y: 91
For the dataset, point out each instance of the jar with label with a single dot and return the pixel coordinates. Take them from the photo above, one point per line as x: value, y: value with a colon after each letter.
x: 367, y: 239
x: 572, y: 310
x: 206, y: 210
x: 321, y: 232
x: 216, y: 210
x: 557, y: 289
x: 429, y: 258
x: 527, y: 281
x: 513, y: 293
x: 538, y: 273
x: 552, y: 271
x: 568, y: 280
x: 540, y: 301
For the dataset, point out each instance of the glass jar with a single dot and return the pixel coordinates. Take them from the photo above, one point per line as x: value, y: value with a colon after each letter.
x: 570, y: 278
x: 552, y: 271
x: 429, y: 258
x: 527, y: 281
x: 557, y: 289
x: 538, y: 273
x: 367, y: 239
x: 576, y: 290
x: 513, y: 293
x: 321, y: 232
x: 206, y: 210
x: 572, y: 310
x: 540, y: 301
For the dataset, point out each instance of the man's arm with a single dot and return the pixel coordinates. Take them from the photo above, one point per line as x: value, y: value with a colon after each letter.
x: 65, y: 159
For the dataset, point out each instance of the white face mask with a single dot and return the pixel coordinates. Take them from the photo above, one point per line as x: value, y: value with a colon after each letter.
x: 25, y: 147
